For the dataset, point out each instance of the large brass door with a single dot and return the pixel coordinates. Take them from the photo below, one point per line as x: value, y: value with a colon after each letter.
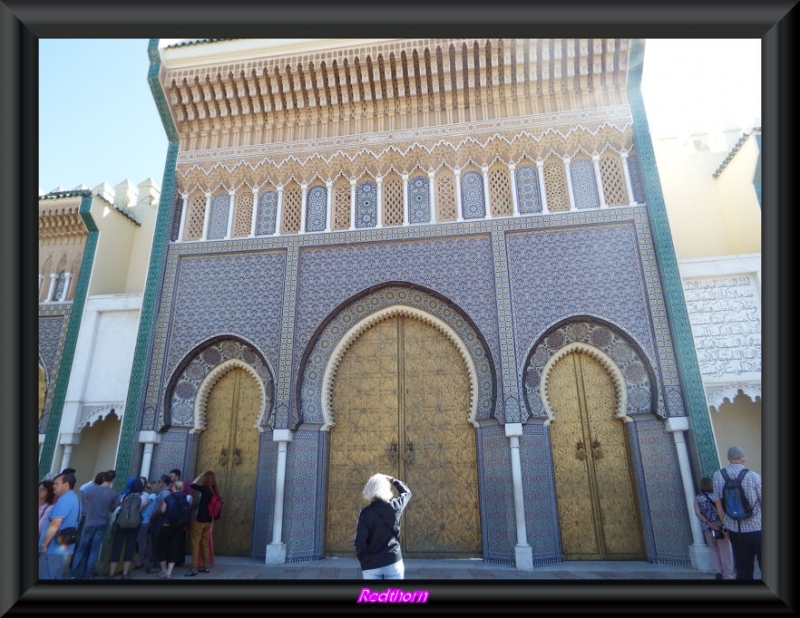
x: 229, y: 447
x: 401, y: 401
x: 597, y: 508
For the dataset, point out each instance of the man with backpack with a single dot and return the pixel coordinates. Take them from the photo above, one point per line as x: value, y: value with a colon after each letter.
x: 739, y: 490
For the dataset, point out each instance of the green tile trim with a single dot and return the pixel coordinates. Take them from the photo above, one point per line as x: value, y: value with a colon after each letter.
x: 130, y: 420
x: 677, y: 314
x: 68, y: 355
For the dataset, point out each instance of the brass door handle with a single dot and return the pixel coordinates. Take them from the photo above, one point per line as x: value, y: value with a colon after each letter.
x: 392, y: 452
x: 237, y: 457
x: 408, y: 456
x: 223, y: 457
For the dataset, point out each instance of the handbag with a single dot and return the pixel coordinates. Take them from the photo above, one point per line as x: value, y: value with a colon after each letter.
x: 68, y: 536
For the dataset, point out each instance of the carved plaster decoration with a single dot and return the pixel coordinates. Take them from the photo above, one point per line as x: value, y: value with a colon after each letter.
x: 718, y: 394
x: 91, y: 414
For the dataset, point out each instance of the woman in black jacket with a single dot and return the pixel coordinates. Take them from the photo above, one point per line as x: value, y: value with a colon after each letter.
x: 377, y: 539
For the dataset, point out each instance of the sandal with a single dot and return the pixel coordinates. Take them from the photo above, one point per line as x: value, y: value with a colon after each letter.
x: 190, y: 573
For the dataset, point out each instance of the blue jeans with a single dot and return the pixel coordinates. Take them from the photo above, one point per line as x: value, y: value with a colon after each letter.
x: 87, y: 551
x: 392, y: 571
x: 53, y: 566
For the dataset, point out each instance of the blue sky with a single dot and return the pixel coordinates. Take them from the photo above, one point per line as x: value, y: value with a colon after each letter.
x: 98, y: 121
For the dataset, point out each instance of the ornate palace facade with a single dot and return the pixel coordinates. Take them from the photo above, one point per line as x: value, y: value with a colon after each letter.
x: 445, y: 260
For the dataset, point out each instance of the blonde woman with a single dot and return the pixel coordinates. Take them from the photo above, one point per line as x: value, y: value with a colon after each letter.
x: 206, y: 485
x: 377, y: 538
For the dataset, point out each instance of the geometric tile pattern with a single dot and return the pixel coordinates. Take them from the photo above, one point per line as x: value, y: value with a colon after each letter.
x: 473, y: 200
x: 311, y: 392
x: 665, y: 495
x: 586, y: 271
x: 230, y: 294
x: 419, y: 200
x: 267, y: 213
x: 636, y: 372
x: 304, y: 496
x: 584, y: 187
x: 366, y: 204
x: 498, y: 522
x: 538, y: 488
x: 185, y: 390
x: 316, y: 209
x: 458, y: 268
x: 218, y: 222
x: 53, y: 323
x: 265, y: 494
x: 528, y: 195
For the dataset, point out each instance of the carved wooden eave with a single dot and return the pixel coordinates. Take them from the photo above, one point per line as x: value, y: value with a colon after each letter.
x: 61, y: 218
x: 249, y: 92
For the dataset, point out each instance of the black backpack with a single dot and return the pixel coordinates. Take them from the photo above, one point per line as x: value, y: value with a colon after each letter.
x: 130, y: 511
x: 734, y: 500
x: 178, y: 510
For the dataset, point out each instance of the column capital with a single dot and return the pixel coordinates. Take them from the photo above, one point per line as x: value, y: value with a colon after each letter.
x: 69, y: 439
x: 677, y: 424
x: 282, y: 435
x: 513, y: 429
x: 149, y: 437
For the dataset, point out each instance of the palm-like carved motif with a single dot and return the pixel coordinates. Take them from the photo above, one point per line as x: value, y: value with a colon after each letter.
x: 594, y: 489
x: 401, y: 402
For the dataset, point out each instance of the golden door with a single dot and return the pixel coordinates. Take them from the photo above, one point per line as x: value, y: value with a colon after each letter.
x: 229, y: 447
x: 597, y: 509
x: 401, y: 402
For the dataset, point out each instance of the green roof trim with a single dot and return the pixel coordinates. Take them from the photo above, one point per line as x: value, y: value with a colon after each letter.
x: 736, y: 147
x: 196, y: 42
x: 71, y: 340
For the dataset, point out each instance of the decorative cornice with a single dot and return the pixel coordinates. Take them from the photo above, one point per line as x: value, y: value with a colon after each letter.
x: 393, y: 84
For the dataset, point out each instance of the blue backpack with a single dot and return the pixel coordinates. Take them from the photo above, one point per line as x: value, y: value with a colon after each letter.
x: 178, y: 510
x: 734, y: 501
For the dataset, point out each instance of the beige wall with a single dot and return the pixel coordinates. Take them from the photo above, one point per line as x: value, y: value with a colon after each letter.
x: 709, y: 216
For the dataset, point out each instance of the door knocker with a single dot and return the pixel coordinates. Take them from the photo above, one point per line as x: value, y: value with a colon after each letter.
x: 392, y: 452
x: 409, y: 454
x: 580, y: 453
x: 597, y: 450
x: 237, y: 457
x: 223, y: 457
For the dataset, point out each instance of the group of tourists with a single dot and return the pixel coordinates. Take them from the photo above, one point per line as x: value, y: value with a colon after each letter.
x: 729, y: 509
x: 147, y: 525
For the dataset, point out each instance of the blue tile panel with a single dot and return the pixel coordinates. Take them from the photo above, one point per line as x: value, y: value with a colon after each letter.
x: 584, y: 186
x: 366, y: 205
x: 316, y: 209
x: 473, y: 202
x: 419, y: 200
x: 529, y: 198
x: 53, y: 323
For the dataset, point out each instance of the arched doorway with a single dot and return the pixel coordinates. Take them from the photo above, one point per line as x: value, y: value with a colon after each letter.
x: 597, y: 508
x: 229, y: 447
x: 401, y: 400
